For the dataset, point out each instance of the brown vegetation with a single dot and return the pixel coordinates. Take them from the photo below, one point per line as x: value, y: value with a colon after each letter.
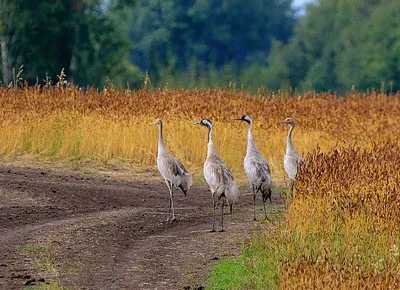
x: 73, y: 124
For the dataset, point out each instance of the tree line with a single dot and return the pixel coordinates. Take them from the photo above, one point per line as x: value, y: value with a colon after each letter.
x: 80, y: 36
x: 337, y: 45
x: 340, y: 45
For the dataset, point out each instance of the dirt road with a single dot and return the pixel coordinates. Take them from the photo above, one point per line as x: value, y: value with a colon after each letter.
x: 102, y: 232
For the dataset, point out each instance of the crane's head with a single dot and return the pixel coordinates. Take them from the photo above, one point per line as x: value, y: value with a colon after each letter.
x: 246, y: 118
x: 157, y: 122
x: 289, y: 121
x: 204, y: 122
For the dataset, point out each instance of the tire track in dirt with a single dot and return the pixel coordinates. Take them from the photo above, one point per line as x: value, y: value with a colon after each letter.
x: 110, y: 233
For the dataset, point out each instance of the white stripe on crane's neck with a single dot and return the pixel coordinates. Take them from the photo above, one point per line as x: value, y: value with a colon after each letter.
x: 210, y: 148
x: 161, y: 145
x: 250, y: 141
x: 289, y: 146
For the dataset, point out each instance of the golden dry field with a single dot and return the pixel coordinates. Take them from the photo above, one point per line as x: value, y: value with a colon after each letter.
x: 71, y: 124
x: 342, y: 224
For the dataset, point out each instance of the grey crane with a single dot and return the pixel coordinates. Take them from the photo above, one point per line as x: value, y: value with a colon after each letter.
x: 292, y: 159
x: 218, y: 177
x: 256, y: 168
x: 173, y: 171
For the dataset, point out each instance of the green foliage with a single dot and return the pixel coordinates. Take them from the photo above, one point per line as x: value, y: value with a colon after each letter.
x: 259, y: 266
x: 41, y: 256
x: 338, y: 44
x: 80, y: 36
x: 227, y: 274
x: 206, y: 42
x: 33, y: 249
x: 382, y: 46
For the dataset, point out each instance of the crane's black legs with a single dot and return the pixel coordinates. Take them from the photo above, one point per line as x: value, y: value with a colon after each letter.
x: 254, y: 201
x: 172, y: 205
x: 171, y: 202
x: 169, y: 206
x: 265, y: 210
x: 222, y: 214
x: 213, y: 216
x: 169, y: 209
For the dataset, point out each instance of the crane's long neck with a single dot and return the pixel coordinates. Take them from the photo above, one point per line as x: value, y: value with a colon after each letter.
x: 250, y: 141
x: 161, y: 145
x: 289, y: 146
x: 211, y: 148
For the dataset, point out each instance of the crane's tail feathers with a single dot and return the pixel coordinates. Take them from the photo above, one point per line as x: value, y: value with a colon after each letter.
x: 187, y: 182
x: 233, y: 193
x: 266, y: 190
x: 220, y: 191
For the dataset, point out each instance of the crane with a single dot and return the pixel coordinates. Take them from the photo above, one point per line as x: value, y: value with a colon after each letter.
x: 292, y: 159
x: 219, y: 177
x: 256, y: 168
x: 173, y: 171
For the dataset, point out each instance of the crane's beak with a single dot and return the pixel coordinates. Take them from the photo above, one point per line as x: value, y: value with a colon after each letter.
x: 196, y: 123
x: 153, y: 123
x: 281, y: 122
x: 238, y: 119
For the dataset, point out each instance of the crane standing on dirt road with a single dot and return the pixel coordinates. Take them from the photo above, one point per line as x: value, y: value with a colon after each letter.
x: 173, y: 171
x: 256, y: 168
x: 218, y: 177
x: 292, y: 159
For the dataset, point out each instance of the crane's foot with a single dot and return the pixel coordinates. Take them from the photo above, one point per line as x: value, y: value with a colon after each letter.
x: 254, y: 219
x: 222, y: 230
x: 173, y: 220
x: 212, y: 231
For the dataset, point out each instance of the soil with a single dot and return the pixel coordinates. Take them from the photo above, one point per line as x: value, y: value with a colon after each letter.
x: 106, y: 232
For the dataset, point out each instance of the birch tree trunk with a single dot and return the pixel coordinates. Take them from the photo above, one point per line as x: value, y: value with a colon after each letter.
x: 5, y: 60
x: 73, y: 64
x: 5, y: 18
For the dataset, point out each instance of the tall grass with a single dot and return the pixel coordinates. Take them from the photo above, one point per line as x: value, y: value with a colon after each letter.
x: 344, y: 220
x: 71, y: 124
x: 341, y: 230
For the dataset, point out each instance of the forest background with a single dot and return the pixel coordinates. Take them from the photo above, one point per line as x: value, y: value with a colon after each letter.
x: 330, y: 45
